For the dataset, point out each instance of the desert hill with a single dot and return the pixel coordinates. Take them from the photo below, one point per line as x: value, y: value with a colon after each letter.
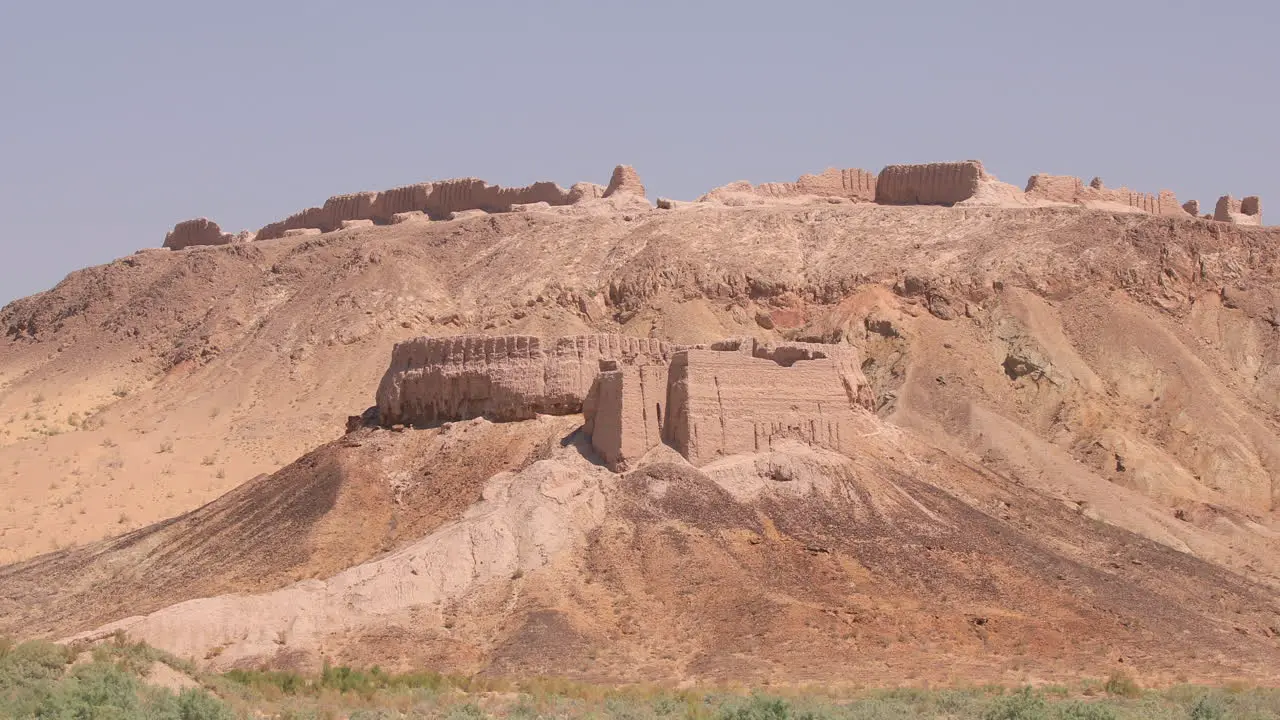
x: 1071, y: 459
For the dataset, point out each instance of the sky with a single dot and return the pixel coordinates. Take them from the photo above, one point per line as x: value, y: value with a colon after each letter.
x: 119, y: 119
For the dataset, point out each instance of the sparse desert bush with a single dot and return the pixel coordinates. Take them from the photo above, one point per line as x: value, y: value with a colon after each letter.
x: 1024, y: 704
x: 35, y: 681
x: 1208, y: 707
x: 1084, y: 711
x: 466, y: 711
x: 758, y: 707
x: 1121, y: 684
x: 44, y: 680
x: 166, y: 446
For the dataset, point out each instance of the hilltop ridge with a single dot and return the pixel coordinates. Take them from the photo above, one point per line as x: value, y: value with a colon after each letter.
x: 928, y: 184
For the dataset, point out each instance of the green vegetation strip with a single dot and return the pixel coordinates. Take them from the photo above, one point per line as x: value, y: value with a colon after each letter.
x: 112, y: 681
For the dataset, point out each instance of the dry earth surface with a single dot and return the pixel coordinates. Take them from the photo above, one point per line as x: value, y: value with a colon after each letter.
x: 1071, y: 466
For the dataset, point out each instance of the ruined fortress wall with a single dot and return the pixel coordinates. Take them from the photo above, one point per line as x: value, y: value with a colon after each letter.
x: 1055, y: 188
x: 437, y: 199
x: 1226, y: 207
x: 625, y: 179
x: 626, y: 415
x: 722, y: 403
x: 931, y: 184
x: 852, y: 183
x: 1068, y: 189
x: 1247, y: 211
x: 200, y: 231
x: 516, y: 377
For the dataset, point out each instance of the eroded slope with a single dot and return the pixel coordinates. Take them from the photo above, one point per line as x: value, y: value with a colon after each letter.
x: 1077, y: 348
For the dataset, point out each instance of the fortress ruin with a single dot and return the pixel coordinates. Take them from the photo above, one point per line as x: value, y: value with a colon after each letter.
x: 964, y: 183
x: 735, y: 396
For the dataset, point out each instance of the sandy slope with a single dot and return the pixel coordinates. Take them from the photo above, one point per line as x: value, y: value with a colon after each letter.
x: 795, y: 565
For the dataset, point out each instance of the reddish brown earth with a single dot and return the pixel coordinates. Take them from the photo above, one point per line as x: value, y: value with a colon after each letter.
x: 1071, y: 467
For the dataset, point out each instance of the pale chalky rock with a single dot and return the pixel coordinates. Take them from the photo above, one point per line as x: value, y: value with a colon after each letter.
x: 301, y: 232
x: 349, y: 224
x: 412, y: 216
x: 530, y: 207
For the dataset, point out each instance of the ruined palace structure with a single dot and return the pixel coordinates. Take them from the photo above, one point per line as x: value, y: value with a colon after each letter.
x: 735, y: 396
x: 951, y: 183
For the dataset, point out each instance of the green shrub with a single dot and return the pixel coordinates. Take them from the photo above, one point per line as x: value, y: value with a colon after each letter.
x: 1084, y: 711
x: 759, y: 707
x: 32, y: 662
x: 289, y: 683
x: 1208, y: 707
x: 1026, y: 704
x: 466, y: 711
x: 1121, y: 684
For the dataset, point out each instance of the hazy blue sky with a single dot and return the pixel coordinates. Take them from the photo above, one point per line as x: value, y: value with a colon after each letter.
x: 119, y: 119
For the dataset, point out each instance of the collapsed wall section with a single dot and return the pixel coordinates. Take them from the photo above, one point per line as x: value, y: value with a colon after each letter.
x: 514, y: 377
x: 851, y: 183
x: 438, y: 200
x: 200, y: 231
x: 1247, y: 211
x: 1069, y: 189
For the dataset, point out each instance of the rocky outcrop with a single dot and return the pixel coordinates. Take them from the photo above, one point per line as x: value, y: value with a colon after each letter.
x: 1069, y: 189
x: 201, y: 231
x: 1192, y: 207
x: 1247, y: 211
x: 852, y: 184
x: 516, y: 377
x: 412, y: 216
x: 931, y: 184
x: 625, y: 180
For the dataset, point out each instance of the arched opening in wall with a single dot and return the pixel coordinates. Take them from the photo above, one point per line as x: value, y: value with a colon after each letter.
x: 658, y: 407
